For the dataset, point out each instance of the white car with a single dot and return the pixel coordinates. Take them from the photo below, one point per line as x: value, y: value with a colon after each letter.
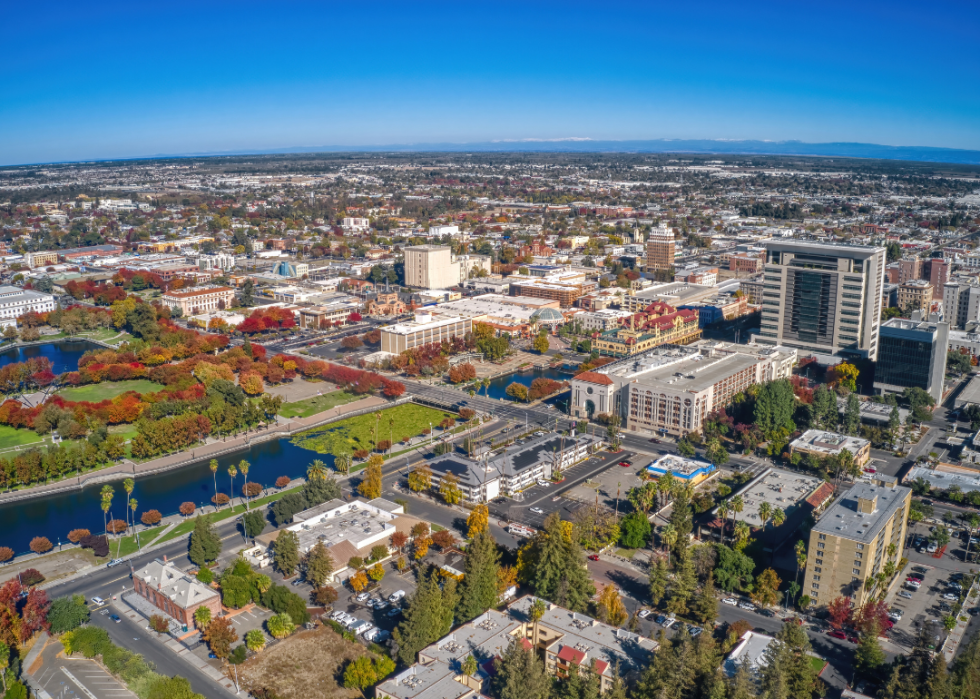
x: 98, y: 601
x: 367, y: 629
x: 362, y: 597
x: 912, y: 584
x: 644, y: 613
x: 396, y: 596
x: 543, y: 482
x: 730, y: 600
x: 337, y: 614
x: 905, y: 594
x: 932, y: 547
x: 537, y: 510
x: 747, y: 606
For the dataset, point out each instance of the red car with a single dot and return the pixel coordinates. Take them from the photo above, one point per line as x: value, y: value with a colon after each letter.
x: 794, y: 620
x: 837, y: 634
x: 593, y: 557
x: 655, y: 441
x: 853, y: 639
x: 625, y: 464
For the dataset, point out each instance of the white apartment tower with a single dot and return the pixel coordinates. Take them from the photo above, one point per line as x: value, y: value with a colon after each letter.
x: 435, y: 266
x: 823, y: 298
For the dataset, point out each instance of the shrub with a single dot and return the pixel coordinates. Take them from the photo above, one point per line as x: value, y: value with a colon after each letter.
x: 280, y: 625
x: 383, y: 445
x: 159, y: 624
x: 361, y: 453
x: 251, y: 490
x: 6, y: 553
x: 151, y: 517
x: 281, y: 600
x: 282, y: 481
x: 31, y: 577
x: 99, y: 544
x: 67, y: 613
x: 116, y: 526
x: 205, y: 576
x: 187, y: 508
x: 41, y: 544
x: 220, y: 499
x: 90, y: 641
x: 76, y: 535
x: 466, y: 413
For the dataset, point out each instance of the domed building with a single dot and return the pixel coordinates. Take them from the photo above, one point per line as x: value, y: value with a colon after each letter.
x: 549, y: 317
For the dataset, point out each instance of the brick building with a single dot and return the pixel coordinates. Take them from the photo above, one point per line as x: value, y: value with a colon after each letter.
x: 173, y: 592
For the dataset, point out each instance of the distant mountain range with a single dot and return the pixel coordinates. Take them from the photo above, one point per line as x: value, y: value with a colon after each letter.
x: 664, y: 145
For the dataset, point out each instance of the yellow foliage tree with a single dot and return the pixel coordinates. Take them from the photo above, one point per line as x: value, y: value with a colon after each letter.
x: 610, y: 606
x: 359, y: 581
x: 422, y: 545
x: 845, y: 374
x: 376, y: 572
x: 370, y: 487
x: 420, y: 478
x: 766, y: 591
x: 482, y: 331
x: 478, y: 520
x: 506, y: 577
x: 449, y: 489
x: 252, y: 384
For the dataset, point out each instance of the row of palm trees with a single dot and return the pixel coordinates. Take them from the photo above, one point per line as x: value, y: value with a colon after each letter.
x: 106, y: 495
x: 233, y: 470
x: 741, y: 530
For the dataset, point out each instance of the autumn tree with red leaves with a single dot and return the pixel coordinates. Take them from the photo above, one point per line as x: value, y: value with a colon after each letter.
x: 839, y: 611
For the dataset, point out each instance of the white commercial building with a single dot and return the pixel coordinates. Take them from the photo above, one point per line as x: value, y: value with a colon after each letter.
x: 435, y: 266
x: 443, y: 230
x: 220, y: 261
x: 605, y: 319
x: 15, y: 302
x: 423, y: 330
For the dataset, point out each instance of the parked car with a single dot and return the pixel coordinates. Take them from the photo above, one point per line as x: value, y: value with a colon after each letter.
x: 913, y: 584
x: 537, y: 510
x: 363, y: 596
x: 952, y: 597
x: 747, y: 606
x: 655, y: 441
x: 667, y: 621
x: 625, y: 464
x: 695, y: 631
x: 368, y: 629
x: 113, y: 563
x: 395, y: 596
x: 115, y: 618
x: 593, y: 557
x: 380, y: 604
x: 380, y: 636
x: 542, y: 482
x: 932, y: 547
x: 895, y: 614
x: 905, y: 594
x: 394, y: 611
x: 644, y: 613
x: 730, y: 600
x: 296, y: 583
x: 837, y: 634
x: 920, y: 569
x: 767, y: 612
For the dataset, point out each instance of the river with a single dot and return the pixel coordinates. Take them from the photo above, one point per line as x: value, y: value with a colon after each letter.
x: 64, y: 356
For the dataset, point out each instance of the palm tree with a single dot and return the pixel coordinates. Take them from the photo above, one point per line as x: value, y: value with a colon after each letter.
x: 668, y: 535
x: 800, y: 550
x: 213, y: 465
x: 778, y: 517
x: 485, y: 383
x: 723, y: 509
x: 128, y: 485
x: 742, y: 531
x: 316, y: 471
x: 106, y: 493
x: 132, y: 505
x: 765, y: 512
x: 243, y: 467
x: 232, y: 472
x: 341, y: 461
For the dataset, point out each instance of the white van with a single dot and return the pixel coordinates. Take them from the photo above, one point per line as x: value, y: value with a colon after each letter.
x: 396, y: 596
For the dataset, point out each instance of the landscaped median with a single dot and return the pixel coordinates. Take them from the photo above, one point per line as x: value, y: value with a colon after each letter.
x: 187, y: 526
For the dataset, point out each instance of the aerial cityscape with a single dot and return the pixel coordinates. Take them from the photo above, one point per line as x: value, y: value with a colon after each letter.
x: 366, y: 367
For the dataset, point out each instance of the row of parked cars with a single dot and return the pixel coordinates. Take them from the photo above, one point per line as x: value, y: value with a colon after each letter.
x: 669, y: 621
x: 359, y: 627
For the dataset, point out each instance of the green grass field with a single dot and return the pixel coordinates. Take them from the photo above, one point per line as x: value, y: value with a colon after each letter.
x: 108, y: 389
x: 128, y: 544
x: 12, y: 437
x: 317, y: 404
x: 818, y: 664
x: 406, y: 420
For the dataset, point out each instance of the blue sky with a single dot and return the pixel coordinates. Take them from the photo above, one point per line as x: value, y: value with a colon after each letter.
x: 108, y: 80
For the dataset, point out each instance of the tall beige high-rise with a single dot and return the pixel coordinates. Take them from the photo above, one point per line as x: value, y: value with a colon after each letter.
x: 660, y: 248
x: 435, y: 266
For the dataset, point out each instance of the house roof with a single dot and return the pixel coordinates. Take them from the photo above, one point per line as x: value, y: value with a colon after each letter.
x: 594, y: 377
x: 571, y: 655
x: 820, y: 495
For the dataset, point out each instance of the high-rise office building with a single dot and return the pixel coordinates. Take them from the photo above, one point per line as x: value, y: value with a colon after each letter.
x: 912, y: 354
x: 660, y: 248
x: 435, y: 266
x: 823, y: 298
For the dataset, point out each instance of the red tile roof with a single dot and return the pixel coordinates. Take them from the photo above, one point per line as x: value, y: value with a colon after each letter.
x: 601, y: 666
x: 594, y: 377
x: 820, y: 495
x: 571, y: 655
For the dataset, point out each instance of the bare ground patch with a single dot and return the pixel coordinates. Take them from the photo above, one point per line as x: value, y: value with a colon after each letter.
x: 307, y: 664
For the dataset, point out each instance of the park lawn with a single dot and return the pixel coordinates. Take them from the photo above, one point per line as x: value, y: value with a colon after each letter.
x: 187, y: 526
x: 126, y: 431
x: 317, y: 404
x: 397, y: 423
x: 108, y: 389
x: 818, y: 664
x: 129, y: 546
x: 13, y: 437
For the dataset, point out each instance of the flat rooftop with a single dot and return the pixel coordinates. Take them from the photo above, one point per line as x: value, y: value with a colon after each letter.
x: 782, y: 489
x: 822, y: 442
x: 679, y: 466
x: 751, y: 651
x: 844, y: 520
x: 967, y: 480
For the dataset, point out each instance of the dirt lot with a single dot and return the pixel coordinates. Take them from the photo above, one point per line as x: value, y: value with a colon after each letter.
x: 308, y: 663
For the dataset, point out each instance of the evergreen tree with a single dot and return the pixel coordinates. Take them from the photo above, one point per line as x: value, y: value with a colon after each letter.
x: 787, y: 670
x: 869, y: 655
x: 427, y: 617
x: 520, y: 675
x: 741, y: 685
x: 318, y: 565
x: 966, y: 671
x: 852, y: 414
x: 248, y: 293
x: 479, y: 591
x: 658, y: 581
x: 205, y: 544
x: 774, y: 406
x: 659, y: 679
x: 705, y: 605
x: 681, y: 588
x: 286, y: 552
x: 560, y: 573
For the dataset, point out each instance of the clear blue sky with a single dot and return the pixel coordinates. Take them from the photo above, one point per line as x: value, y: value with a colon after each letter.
x: 105, y: 80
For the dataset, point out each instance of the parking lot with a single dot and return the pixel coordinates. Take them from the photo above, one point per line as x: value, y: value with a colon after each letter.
x: 924, y: 605
x: 368, y: 606
x: 75, y: 678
